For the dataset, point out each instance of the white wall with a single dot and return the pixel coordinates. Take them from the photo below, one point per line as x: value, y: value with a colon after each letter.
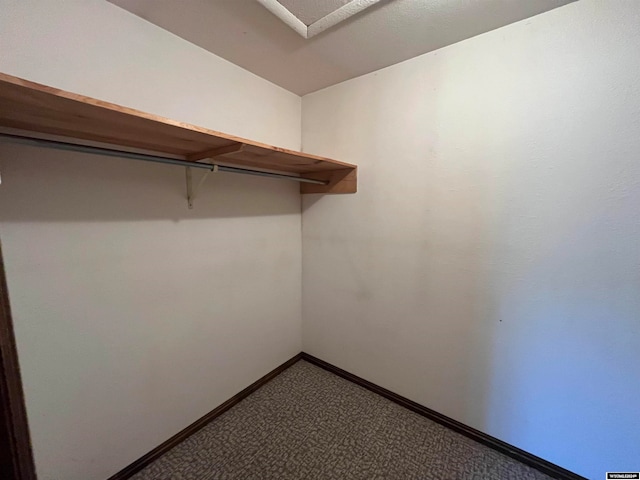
x: 135, y: 316
x: 489, y: 266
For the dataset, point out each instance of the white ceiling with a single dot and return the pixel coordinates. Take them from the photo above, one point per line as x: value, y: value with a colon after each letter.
x: 310, y: 17
x: 310, y: 11
x: 247, y: 34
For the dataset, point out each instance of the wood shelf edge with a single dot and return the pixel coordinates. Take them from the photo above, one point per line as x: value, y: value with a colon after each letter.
x: 173, y: 138
x: 344, y: 180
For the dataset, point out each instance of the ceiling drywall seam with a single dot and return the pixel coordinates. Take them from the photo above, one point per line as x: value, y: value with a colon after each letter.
x: 339, y: 15
x: 285, y: 15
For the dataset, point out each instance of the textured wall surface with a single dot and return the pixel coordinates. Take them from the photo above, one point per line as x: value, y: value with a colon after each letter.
x: 135, y: 316
x: 489, y: 266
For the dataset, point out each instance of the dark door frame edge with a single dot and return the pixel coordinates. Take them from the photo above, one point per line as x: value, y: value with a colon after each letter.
x: 516, y: 453
x: 15, y: 442
x: 163, y: 448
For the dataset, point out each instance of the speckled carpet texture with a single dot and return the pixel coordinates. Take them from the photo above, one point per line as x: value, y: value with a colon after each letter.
x: 308, y: 423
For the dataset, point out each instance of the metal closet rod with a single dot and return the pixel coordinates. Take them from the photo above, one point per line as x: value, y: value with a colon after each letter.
x: 40, y: 142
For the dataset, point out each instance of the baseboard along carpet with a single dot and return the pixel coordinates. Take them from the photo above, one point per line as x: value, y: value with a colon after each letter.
x: 308, y: 423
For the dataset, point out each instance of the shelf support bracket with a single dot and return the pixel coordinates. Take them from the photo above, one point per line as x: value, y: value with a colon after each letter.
x: 216, y: 152
x: 192, y: 190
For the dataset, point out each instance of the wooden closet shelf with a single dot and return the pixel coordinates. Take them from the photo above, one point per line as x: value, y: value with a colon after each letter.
x: 36, y: 108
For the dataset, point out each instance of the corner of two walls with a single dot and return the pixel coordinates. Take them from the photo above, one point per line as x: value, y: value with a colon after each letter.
x: 134, y: 316
x: 488, y: 266
x: 485, y: 269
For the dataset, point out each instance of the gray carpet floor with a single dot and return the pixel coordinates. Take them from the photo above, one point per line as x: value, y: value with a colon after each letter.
x: 308, y: 423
